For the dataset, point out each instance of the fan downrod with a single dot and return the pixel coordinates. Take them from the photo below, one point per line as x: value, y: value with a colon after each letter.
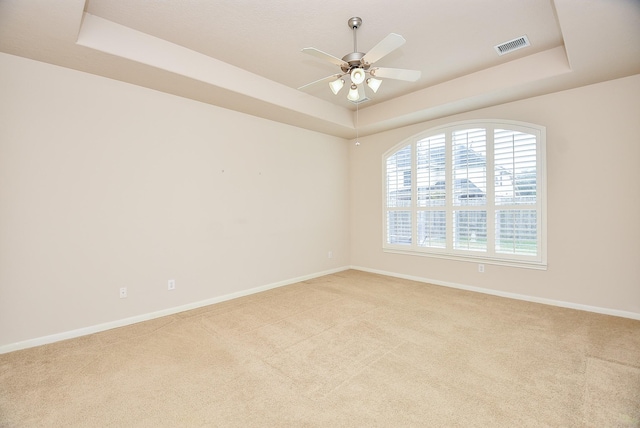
x: 354, y: 59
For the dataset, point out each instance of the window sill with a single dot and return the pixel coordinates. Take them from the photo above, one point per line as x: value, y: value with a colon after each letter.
x: 523, y: 264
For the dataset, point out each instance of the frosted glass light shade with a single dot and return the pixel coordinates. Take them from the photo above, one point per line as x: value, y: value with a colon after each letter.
x: 336, y: 85
x: 357, y: 76
x: 354, y: 94
x: 374, y: 83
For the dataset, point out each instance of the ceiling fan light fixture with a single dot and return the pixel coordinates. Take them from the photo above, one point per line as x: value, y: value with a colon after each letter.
x: 359, y: 66
x: 357, y: 76
x: 336, y: 85
x: 354, y: 94
x: 374, y: 83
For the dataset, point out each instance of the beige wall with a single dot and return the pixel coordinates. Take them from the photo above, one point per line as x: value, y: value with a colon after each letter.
x: 593, y: 183
x: 106, y: 185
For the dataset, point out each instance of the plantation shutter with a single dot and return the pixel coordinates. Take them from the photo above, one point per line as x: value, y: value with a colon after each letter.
x: 515, y: 171
x: 398, y: 191
x: 430, y: 180
x: 468, y: 191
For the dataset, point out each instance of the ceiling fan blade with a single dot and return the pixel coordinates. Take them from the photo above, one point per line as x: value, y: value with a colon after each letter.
x: 387, y: 45
x: 325, y: 56
x: 396, y: 73
x: 324, y: 79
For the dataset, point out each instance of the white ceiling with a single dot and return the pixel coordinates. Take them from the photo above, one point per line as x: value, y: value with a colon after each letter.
x: 246, y: 54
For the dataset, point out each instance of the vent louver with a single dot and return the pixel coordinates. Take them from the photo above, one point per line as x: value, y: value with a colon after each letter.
x: 512, y: 45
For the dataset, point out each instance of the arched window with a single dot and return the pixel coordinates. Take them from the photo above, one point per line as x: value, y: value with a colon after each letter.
x: 470, y: 191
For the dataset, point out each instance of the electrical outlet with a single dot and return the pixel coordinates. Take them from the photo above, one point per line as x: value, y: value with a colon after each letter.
x: 123, y: 292
x: 171, y: 284
x: 330, y: 255
x: 481, y: 268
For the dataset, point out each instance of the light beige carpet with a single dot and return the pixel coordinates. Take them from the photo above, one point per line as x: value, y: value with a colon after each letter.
x: 351, y: 349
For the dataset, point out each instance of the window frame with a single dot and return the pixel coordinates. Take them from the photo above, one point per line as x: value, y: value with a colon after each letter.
x: 491, y: 256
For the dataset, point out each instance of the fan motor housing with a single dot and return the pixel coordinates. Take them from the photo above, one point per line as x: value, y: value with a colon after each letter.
x: 354, y: 60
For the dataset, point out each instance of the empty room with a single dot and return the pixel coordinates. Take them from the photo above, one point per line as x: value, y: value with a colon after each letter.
x: 319, y: 214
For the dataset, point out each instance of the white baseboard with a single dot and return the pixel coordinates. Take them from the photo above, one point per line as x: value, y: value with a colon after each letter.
x: 162, y: 313
x: 170, y: 311
x: 560, y: 303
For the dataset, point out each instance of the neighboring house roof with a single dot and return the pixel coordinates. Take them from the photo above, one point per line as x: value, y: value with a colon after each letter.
x: 463, y: 188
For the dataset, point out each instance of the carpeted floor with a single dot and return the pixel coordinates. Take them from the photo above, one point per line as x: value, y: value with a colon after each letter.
x: 351, y: 349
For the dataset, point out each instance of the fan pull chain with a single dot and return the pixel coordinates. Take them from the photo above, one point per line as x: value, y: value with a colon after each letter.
x: 357, y: 120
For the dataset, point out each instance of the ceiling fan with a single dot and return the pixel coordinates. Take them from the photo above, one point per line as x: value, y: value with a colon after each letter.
x: 357, y: 65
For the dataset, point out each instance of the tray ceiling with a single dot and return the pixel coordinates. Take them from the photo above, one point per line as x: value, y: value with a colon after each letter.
x: 246, y: 55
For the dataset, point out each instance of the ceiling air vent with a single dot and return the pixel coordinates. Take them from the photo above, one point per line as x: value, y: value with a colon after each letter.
x: 512, y: 45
